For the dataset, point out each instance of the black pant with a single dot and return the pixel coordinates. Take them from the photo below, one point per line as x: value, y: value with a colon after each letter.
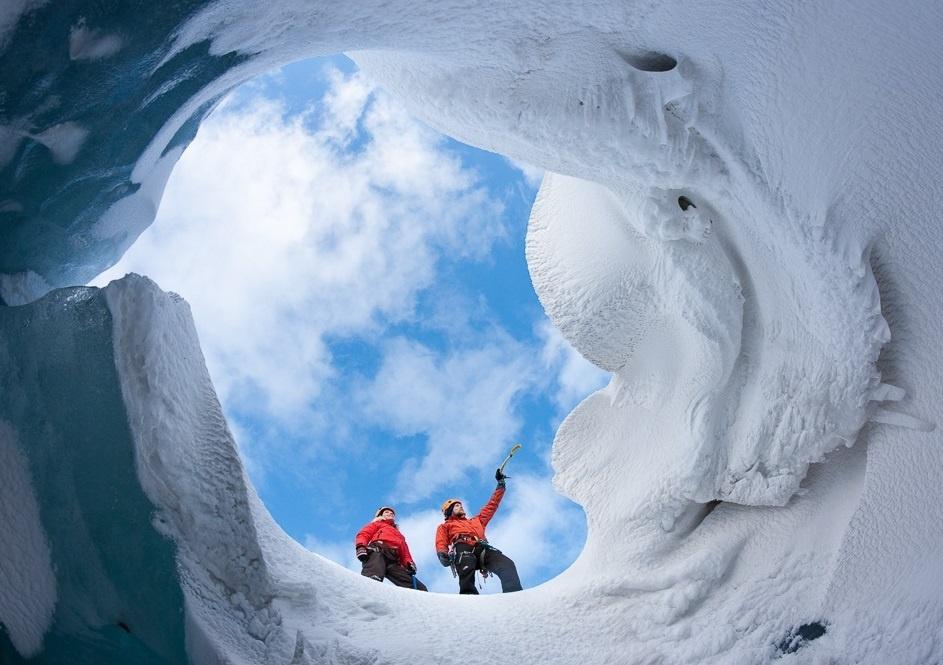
x: 469, y: 558
x: 385, y: 563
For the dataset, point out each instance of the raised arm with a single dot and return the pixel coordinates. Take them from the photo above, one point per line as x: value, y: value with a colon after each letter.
x: 492, y: 506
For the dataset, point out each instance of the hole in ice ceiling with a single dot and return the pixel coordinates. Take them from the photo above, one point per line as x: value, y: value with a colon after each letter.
x: 800, y: 637
x: 361, y: 294
x: 684, y: 203
x: 649, y: 61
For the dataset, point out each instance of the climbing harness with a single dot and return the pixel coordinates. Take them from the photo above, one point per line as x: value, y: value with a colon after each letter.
x: 480, y: 544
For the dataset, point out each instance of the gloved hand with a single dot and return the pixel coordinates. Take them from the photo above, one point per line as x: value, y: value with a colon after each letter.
x: 444, y: 558
x: 411, y: 568
x: 362, y: 553
x: 500, y: 477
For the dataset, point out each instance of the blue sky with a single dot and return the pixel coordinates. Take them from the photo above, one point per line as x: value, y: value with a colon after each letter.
x: 360, y: 290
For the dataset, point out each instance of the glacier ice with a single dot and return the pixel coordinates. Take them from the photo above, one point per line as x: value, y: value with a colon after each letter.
x: 160, y: 545
x: 63, y: 412
x: 738, y: 222
x: 29, y: 589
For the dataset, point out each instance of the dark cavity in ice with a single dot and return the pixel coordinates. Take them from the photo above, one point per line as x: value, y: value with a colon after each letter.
x: 801, y: 636
x: 649, y: 61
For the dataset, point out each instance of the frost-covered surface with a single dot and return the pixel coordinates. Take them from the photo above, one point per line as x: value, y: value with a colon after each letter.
x: 87, y: 576
x: 726, y: 583
x: 28, y: 592
x: 741, y: 226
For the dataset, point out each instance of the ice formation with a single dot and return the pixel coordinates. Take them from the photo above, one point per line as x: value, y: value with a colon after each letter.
x: 739, y: 224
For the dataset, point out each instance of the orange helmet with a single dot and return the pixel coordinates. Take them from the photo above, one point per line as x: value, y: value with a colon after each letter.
x: 447, y: 506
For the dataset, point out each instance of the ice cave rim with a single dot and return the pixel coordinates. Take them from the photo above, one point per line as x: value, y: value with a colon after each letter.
x: 649, y: 62
x: 239, y: 62
x: 655, y: 77
x: 579, y: 519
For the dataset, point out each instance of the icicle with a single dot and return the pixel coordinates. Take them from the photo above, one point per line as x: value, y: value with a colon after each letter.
x: 885, y: 392
x: 898, y: 419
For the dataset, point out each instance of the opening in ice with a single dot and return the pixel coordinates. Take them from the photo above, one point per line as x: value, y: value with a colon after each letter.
x: 363, y: 302
x: 744, y: 330
x: 650, y: 61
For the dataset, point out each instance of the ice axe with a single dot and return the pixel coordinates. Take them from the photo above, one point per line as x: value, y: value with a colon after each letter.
x: 511, y: 454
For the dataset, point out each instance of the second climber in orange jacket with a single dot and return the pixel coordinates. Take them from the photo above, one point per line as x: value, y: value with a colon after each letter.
x: 383, y: 551
x: 460, y: 542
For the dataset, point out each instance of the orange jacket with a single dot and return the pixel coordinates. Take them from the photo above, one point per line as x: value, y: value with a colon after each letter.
x: 385, y: 531
x: 455, y: 526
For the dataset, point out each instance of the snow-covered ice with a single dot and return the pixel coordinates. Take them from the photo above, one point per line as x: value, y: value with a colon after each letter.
x: 89, y: 44
x: 738, y: 220
x: 27, y: 580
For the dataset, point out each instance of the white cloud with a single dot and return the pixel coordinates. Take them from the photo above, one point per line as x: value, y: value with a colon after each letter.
x: 280, y: 234
x: 344, y: 104
x: 533, y: 175
x: 419, y: 529
x: 342, y: 553
x: 463, y: 401
x: 575, y: 376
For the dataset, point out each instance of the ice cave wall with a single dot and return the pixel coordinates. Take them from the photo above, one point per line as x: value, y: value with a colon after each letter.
x: 801, y: 287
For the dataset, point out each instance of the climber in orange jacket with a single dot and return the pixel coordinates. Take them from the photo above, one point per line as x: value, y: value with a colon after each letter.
x: 383, y: 551
x: 460, y: 542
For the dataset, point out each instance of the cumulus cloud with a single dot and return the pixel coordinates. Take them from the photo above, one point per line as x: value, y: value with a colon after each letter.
x: 462, y: 401
x: 575, y: 377
x: 340, y: 552
x: 419, y: 528
x: 533, y: 175
x: 281, y: 231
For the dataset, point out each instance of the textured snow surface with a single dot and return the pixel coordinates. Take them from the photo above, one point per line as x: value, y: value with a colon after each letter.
x: 21, y: 288
x: 721, y: 583
x: 739, y: 221
x: 27, y: 581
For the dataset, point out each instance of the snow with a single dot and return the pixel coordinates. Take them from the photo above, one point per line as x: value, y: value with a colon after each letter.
x: 27, y: 580
x: 63, y: 140
x: 11, y: 13
x: 766, y: 455
x: 187, y: 461
x: 90, y: 44
x: 10, y: 137
x: 23, y: 287
x: 649, y: 585
x: 127, y: 217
